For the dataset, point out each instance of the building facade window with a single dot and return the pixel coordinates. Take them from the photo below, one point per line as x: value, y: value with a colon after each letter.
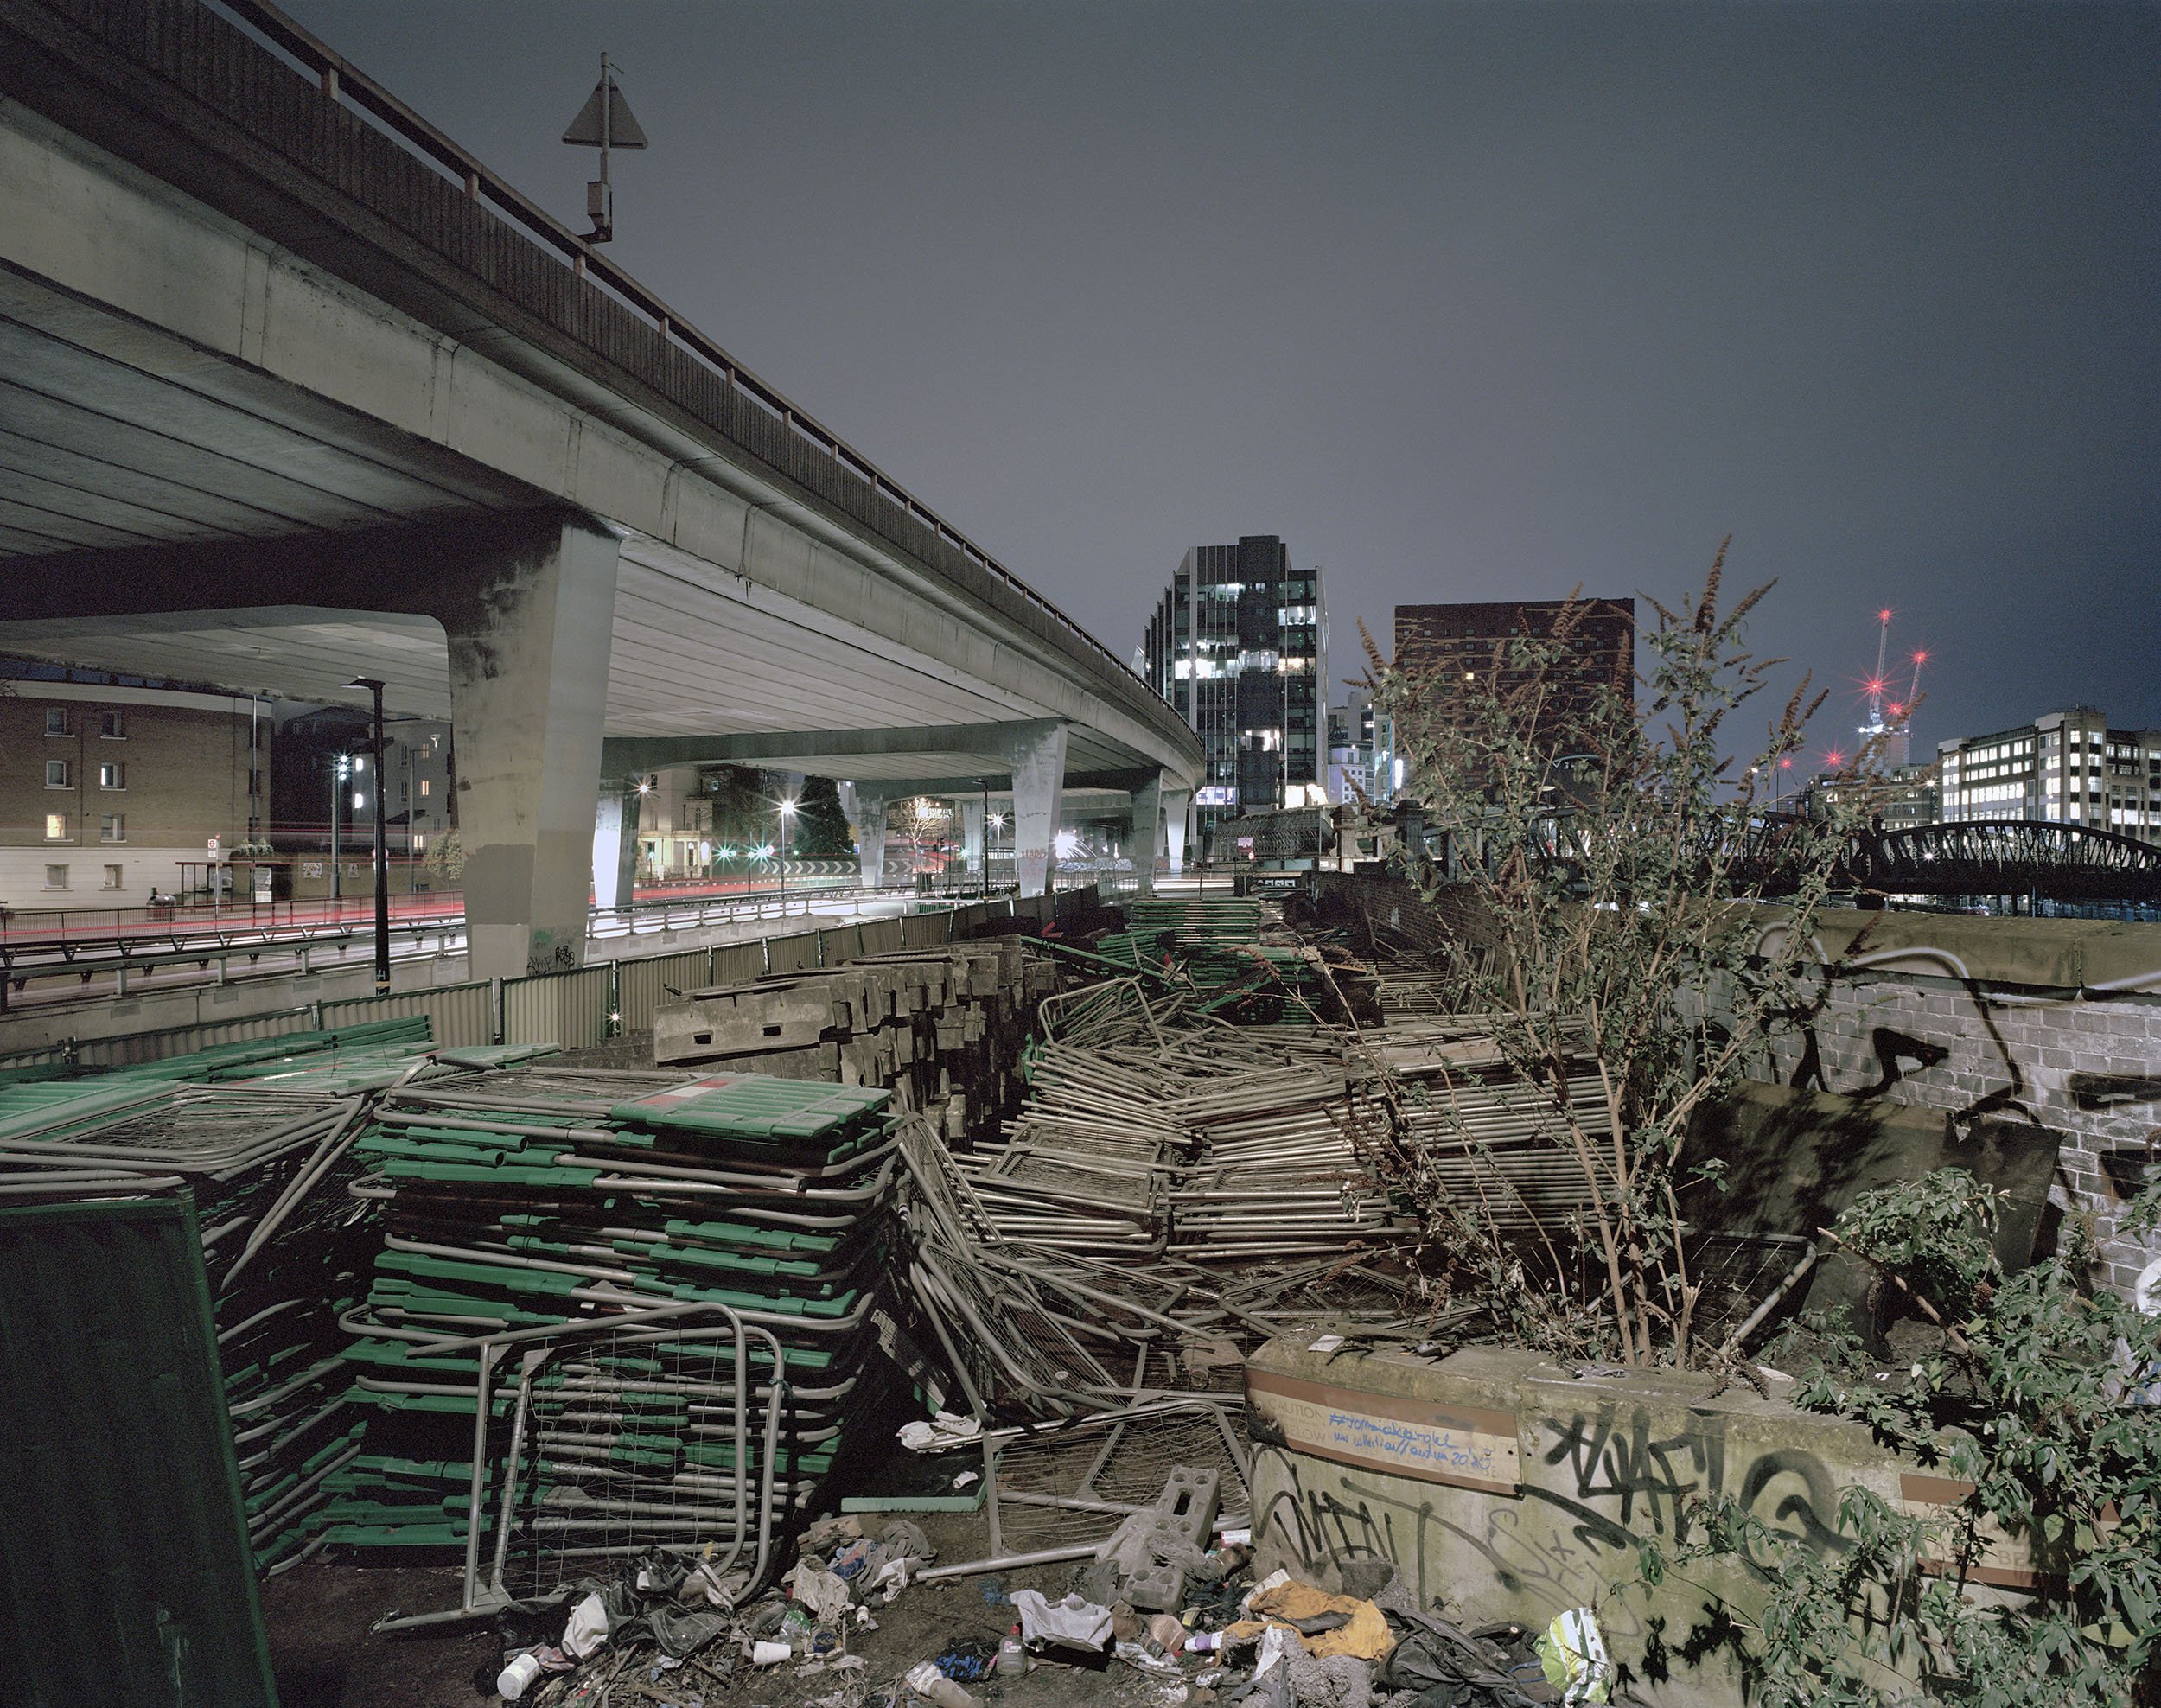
x: 112, y: 827
x: 56, y: 773
x: 113, y: 878
x: 56, y: 827
x: 57, y: 722
x: 56, y: 877
x: 113, y: 775
x: 113, y: 726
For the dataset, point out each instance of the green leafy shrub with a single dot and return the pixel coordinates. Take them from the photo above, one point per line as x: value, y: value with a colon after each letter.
x: 2040, y: 1394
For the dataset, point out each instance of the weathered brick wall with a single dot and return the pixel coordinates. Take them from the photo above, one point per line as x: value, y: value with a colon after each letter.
x: 2054, y: 1021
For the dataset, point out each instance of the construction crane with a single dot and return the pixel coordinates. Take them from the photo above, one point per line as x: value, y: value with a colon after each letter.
x: 1875, y: 726
x: 1888, y: 726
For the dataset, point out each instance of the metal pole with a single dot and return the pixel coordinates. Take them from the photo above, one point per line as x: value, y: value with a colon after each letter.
x: 337, y: 784
x: 382, y: 845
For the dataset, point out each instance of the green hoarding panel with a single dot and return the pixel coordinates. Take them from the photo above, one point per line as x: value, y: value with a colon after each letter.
x: 125, y: 1572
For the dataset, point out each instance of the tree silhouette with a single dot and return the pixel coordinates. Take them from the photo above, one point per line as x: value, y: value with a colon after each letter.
x: 821, y: 830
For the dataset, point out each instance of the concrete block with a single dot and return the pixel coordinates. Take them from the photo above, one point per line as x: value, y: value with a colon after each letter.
x: 1512, y: 1489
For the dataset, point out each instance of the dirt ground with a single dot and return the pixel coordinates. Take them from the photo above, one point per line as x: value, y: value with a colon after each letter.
x: 319, y: 1614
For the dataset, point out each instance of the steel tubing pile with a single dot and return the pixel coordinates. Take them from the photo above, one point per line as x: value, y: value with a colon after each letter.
x: 535, y: 1203
x: 945, y: 1025
x: 1504, y: 1150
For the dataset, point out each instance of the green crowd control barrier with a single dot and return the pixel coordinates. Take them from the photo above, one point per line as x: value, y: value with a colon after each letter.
x: 521, y: 1199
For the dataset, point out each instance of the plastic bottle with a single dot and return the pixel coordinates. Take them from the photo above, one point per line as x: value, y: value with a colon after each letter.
x: 1012, y: 1655
x: 516, y: 1679
x: 924, y: 1680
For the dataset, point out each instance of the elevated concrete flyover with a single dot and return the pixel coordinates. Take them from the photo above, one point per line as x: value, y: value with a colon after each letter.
x: 293, y: 391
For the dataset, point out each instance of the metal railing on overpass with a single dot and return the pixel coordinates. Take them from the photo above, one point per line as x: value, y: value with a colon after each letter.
x: 343, y: 83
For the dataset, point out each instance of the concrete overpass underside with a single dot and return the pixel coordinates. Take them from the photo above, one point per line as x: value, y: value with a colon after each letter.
x: 257, y: 431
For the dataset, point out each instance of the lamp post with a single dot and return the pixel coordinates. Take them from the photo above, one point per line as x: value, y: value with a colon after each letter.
x: 991, y: 822
x: 787, y: 818
x: 382, y: 841
x: 340, y: 768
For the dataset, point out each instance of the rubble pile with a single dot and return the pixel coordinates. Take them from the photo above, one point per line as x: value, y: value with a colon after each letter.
x: 947, y: 1025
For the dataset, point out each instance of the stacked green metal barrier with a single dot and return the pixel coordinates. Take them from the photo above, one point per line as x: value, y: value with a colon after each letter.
x: 1214, y: 942
x: 238, y: 1124
x: 249, y: 1149
x: 523, y: 1200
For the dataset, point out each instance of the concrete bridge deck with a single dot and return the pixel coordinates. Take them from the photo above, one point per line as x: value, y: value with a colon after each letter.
x: 293, y: 391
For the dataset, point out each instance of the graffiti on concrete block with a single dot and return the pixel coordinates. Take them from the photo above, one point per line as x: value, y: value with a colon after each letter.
x: 2113, y: 1091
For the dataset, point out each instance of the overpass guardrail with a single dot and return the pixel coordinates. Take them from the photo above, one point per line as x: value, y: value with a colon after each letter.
x: 158, y: 33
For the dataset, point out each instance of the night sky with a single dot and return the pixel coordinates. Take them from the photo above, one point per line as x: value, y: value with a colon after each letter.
x: 1465, y: 301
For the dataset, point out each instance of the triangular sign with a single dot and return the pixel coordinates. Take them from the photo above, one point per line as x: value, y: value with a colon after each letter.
x: 623, y: 128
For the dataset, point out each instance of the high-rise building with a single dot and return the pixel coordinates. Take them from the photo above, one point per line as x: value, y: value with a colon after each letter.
x: 1900, y: 798
x: 1238, y: 644
x: 2064, y: 768
x: 1361, y: 753
x: 1453, y: 642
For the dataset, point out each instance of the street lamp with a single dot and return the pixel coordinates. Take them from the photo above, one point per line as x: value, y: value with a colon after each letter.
x: 382, y: 843
x: 787, y: 818
x: 341, y: 769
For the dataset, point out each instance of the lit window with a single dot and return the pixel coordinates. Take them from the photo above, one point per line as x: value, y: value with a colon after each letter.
x: 420, y: 844
x: 424, y: 788
x: 56, y: 877
x: 112, y: 827
x: 113, y: 726
x: 56, y: 723
x: 56, y: 827
x: 112, y: 776
x: 55, y: 774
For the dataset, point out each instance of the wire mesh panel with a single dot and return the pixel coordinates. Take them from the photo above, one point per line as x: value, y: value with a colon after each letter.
x: 617, y: 1441
x: 1074, y: 1484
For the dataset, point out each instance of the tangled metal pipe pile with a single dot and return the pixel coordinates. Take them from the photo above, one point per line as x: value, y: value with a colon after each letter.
x: 266, y: 1153
x: 1176, y: 1187
x: 614, y: 1311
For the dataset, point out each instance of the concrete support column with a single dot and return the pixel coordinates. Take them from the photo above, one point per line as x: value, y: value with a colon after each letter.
x: 1177, y: 805
x: 1039, y: 780
x: 1147, y: 831
x: 528, y: 652
x: 616, y: 842
x: 868, y: 818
